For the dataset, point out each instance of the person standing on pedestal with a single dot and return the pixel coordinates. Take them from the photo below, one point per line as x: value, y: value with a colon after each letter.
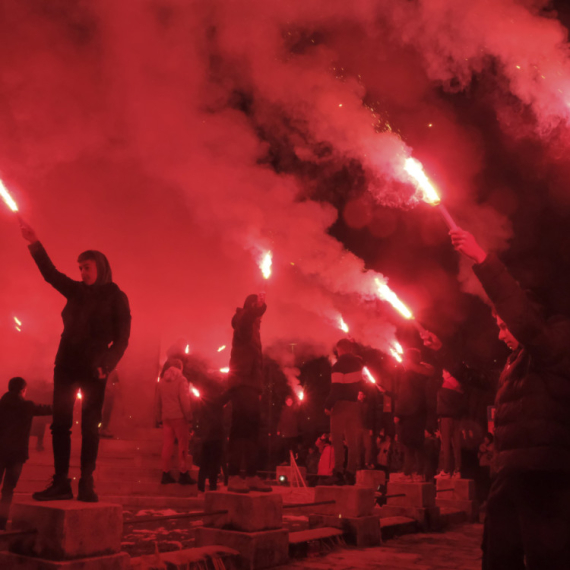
x: 528, y: 509
x: 245, y: 386
x: 343, y: 407
x: 96, y: 330
x: 16, y: 415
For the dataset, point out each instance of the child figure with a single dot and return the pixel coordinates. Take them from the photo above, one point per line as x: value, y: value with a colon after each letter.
x: 16, y: 415
x: 174, y: 413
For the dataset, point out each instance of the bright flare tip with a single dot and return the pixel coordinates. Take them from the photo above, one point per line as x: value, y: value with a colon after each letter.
x: 266, y: 264
x: 342, y: 325
x: 369, y: 375
x: 225, y: 370
x: 415, y: 169
x: 7, y: 198
x: 386, y: 294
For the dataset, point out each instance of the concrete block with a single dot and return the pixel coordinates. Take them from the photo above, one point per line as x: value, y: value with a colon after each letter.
x: 397, y: 526
x: 455, y: 489
x: 256, y: 549
x: 253, y: 512
x: 351, y: 501
x: 67, y: 529
x: 188, y: 559
x: 359, y: 531
x: 12, y: 561
x: 428, y: 518
x: 370, y: 478
x: 471, y: 508
x: 288, y: 472
x: 415, y: 494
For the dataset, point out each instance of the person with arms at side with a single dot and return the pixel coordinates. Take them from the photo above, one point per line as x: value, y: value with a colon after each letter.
x: 96, y: 330
x: 528, y: 509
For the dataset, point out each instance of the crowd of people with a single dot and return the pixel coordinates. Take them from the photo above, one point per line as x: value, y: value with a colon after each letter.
x: 524, y: 466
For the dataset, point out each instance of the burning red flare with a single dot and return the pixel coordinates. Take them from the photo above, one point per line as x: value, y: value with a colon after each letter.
x: 266, y: 264
x: 223, y: 347
x: 369, y: 375
x: 79, y: 395
x: 225, y: 370
x: 342, y: 325
x: 196, y: 392
x: 187, y: 349
x: 396, y: 351
x: 386, y: 294
x: 7, y: 198
x: 301, y: 395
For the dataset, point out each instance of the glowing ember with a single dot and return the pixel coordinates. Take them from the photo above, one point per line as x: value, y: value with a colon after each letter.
x: 369, y: 375
x: 301, y: 395
x: 196, y: 392
x: 266, y: 264
x: 415, y: 169
x: 225, y: 370
x: 187, y: 349
x: 158, y: 379
x: 386, y: 294
x: 18, y: 328
x: 398, y: 347
x: 18, y: 321
x: 79, y: 395
x: 342, y: 325
x: 223, y: 347
x: 7, y: 198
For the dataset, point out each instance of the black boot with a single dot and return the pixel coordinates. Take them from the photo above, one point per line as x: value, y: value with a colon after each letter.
x: 58, y: 490
x: 167, y: 478
x: 185, y: 479
x: 86, y: 491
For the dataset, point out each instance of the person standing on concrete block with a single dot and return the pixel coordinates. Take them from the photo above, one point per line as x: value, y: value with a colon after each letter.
x: 343, y: 407
x: 245, y: 383
x: 411, y: 412
x: 528, y: 509
x: 16, y: 415
x: 173, y: 412
x: 96, y: 330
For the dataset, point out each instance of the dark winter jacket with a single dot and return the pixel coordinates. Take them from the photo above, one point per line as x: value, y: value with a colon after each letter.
x: 413, y: 391
x: 532, y: 420
x: 16, y: 415
x: 210, y: 411
x: 451, y: 401
x: 289, y: 421
x: 346, y: 380
x: 96, y: 319
x: 246, y: 360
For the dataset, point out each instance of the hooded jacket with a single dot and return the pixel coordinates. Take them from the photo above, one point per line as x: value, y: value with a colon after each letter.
x: 16, y: 415
x: 173, y: 397
x: 246, y: 359
x: 532, y: 419
x: 96, y: 318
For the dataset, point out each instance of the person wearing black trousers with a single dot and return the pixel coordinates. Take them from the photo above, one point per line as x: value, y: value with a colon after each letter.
x: 96, y: 330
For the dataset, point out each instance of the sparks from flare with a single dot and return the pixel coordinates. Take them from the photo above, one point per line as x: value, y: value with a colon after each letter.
x: 266, y: 264
x: 7, y: 198
x: 415, y: 169
x: 368, y: 375
x: 342, y: 325
x: 386, y: 294
x: 18, y: 321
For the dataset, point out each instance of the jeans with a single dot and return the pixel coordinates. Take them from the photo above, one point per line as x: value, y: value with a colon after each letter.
x: 10, y: 473
x: 528, y: 519
x: 175, y: 429
x: 66, y: 385
x: 244, y: 431
x: 450, y: 438
x: 346, y: 424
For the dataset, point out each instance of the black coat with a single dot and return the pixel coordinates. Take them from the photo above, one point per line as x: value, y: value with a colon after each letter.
x: 246, y: 359
x: 451, y: 403
x: 532, y: 419
x: 96, y: 319
x: 16, y: 415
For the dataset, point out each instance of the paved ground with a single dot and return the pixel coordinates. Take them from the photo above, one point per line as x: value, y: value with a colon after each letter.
x: 454, y: 549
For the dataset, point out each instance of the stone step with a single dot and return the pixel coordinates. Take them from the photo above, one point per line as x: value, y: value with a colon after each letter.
x: 391, y: 527
x: 449, y: 516
x: 310, y: 542
x: 191, y: 559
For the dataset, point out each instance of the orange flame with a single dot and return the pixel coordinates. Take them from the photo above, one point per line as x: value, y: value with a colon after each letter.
x: 369, y: 375
x: 225, y: 370
x: 386, y: 294
x: 342, y: 325
x: 415, y: 169
x: 266, y: 264
x: 7, y: 198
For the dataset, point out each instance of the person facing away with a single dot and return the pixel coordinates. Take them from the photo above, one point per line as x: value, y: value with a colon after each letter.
x: 16, y: 415
x: 528, y: 509
x: 411, y: 411
x: 343, y: 407
x: 174, y: 413
x: 96, y: 330
x: 245, y: 383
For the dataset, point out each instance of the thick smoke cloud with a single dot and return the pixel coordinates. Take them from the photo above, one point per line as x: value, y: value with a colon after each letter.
x: 187, y: 139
